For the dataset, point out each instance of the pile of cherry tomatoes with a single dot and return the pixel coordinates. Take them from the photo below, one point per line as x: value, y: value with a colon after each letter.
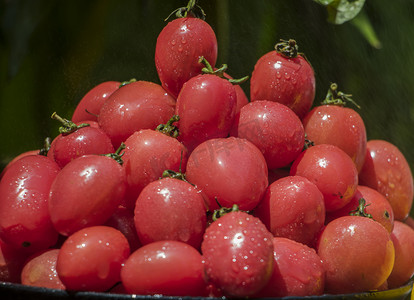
x: 191, y: 188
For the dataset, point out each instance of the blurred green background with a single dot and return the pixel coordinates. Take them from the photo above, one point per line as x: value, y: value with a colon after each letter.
x: 53, y: 52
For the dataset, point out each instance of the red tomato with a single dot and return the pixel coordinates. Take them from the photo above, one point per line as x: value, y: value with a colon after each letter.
x: 387, y: 170
x: 293, y: 207
x: 169, y: 268
x: 333, y: 172
x: 91, y: 259
x: 228, y: 171
x: 40, y: 270
x: 86, y: 192
x: 241, y: 96
x: 148, y: 154
x: 137, y: 105
x: 24, y: 191
x: 26, y: 153
x: 179, y: 47
x: 403, y: 240
x: 298, y: 271
x: 339, y: 126
x: 376, y: 205
x: 358, y: 255
x: 170, y: 209
x: 274, y: 128
x: 238, y: 253
x: 89, y: 106
x: 288, y: 80
x: 11, y: 263
x: 206, y: 106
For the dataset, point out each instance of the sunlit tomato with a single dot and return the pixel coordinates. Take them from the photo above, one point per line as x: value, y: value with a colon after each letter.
x: 274, y: 128
x: 11, y: 263
x: 170, y: 209
x: 228, y: 171
x: 298, y: 271
x: 148, y: 154
x: 206, y: 106
x: 358, y: 254
x: 86, y: 192
x: 339, y: 126
x: 179, y: 47
x: 89, y: 106
x: 137, y: 105
x: 24, y: 191
x: 238, y: 253
x: 403, y: 239
x: 169, y: 268
x: 387, y: 170
x: 375, y: 204
x: 333, y: 172
x: 91, y: 259
x: 40, y: 270
x: 290, y: 81
x: 293, y: 207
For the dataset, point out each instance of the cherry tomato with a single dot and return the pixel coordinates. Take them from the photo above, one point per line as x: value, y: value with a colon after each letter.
x: 170, y: 268
x: 241, y: 96
x: 148, y: 154
x: 403, y: 240
x: 298, y: 271
x: 288, y: 80
x: 24, y: 216
x: 238, y: 253
x: 333, y: 172
x: 293, y: 207
x: 179, y: 47
x: 26, y: 153
x: 90, y: 105
x: 40, y: 270
x: 86, y: 192
x: 11, y: 263
x: 274, y: 128
x: 375, y: 204
x: 228, y: 171
x: 137, y: 105
x: 206, y: 106
x: 339, y: 126
x: 358, y: 254
x: 91, y: 259
x: 387, y: 170
x: 170, y: 209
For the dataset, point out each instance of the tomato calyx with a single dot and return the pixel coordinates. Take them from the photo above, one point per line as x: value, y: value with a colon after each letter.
x: 218, y: 213
x: 168, y: 128
x: 335, y: 97
x: 287, y: 48
x: 117, y: 156
x: 46, y: 146
x: 360, y: 210
x: 192, y: 8
x: 208, y: 69
x: 308, y: 143
x: 67, y: 126
x: 176, y: 175
x: 126, y: 82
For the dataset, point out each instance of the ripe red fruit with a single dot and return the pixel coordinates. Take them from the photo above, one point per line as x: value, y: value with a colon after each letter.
x: 387, y: 170
x: 238, y: 253
x: 135, y: 106
x: 333, y: 172
x: 284, y: 76
x: 179, y: 47
x: 274, y: 128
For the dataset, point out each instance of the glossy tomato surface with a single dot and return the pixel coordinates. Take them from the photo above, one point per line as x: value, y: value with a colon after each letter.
x: 290, y: 81
x: 339, y: 126
x: 228, y: 171
x: 387, y: 170
x: 179, y: 47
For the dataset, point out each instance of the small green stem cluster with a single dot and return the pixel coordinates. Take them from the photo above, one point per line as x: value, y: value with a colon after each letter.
x: 67, y: 126
x: 335, y: 97
x: 208, y: 69
x: 192, y: 8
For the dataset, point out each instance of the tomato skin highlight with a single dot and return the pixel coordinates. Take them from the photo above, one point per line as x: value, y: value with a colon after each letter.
x: 387, y: 170
x: 290, y: 81
x: 25, y: 221
x: 365, y: 246
x: 179, y: 47
x: 339, y: 126
x: 170, y: 268
x: 206, y: 106
x: 86, y: 192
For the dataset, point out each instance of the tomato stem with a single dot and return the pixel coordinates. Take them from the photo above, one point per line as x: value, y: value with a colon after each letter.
x: 46, y: 147
x: 168, y: 128
x: 68, y: 126
x: 287, y: 48
x: 192, y: 7
x: 334, y: 97
x: 223, y: 211
x: 126, y: 82
x: 360, y: 210
x: 117, y: 156
x: 208, y: 69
